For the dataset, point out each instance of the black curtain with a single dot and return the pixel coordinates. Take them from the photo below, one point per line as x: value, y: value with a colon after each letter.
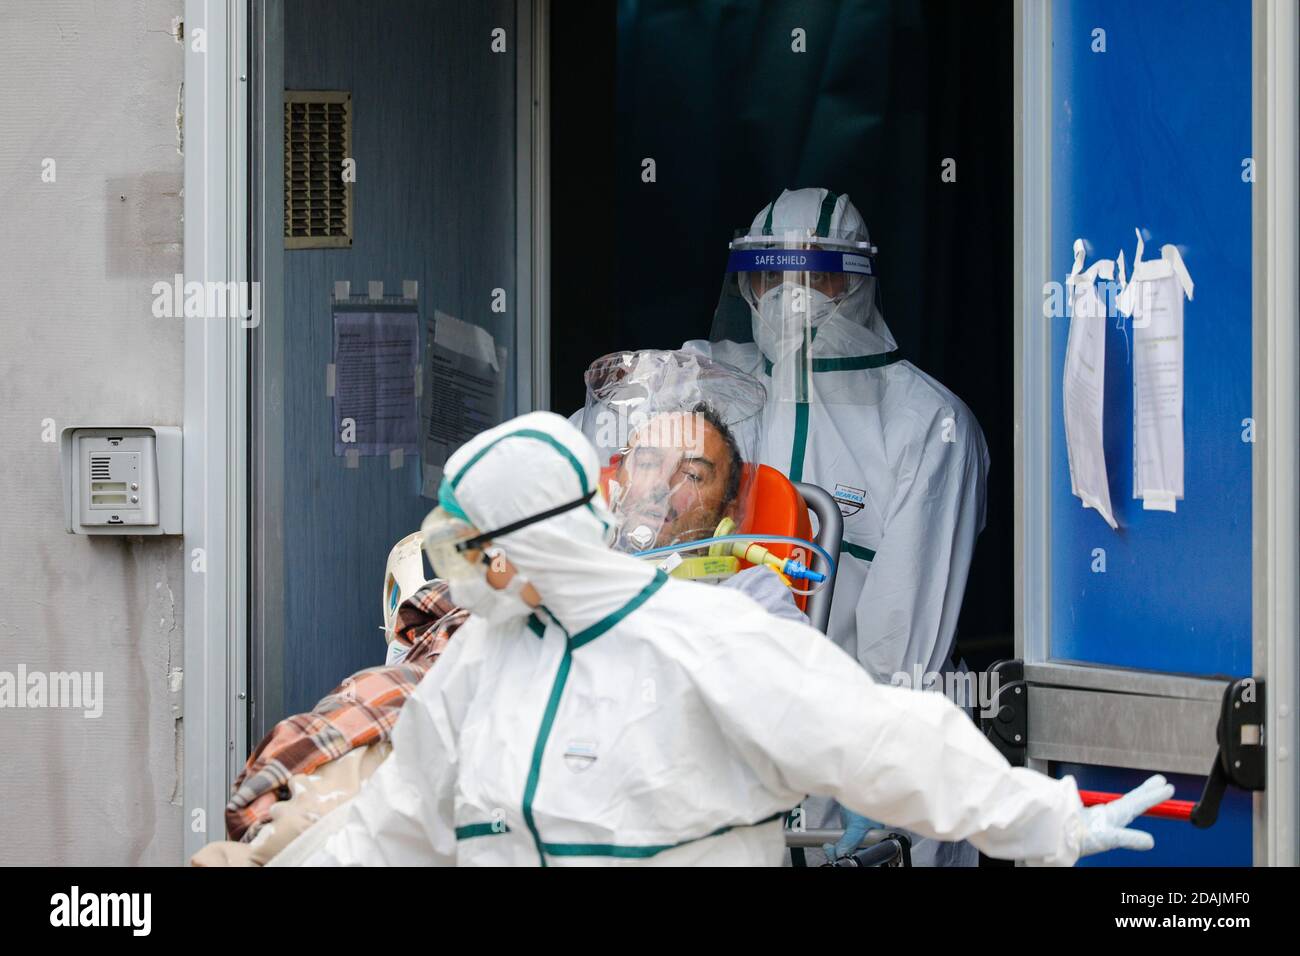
x: 885, y: 92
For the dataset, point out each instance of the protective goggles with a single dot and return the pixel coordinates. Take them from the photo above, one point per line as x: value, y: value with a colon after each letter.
x: 450, y: 539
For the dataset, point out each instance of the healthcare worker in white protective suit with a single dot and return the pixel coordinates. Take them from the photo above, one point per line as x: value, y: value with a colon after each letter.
x: 594, y: 711
x: 903, y: 457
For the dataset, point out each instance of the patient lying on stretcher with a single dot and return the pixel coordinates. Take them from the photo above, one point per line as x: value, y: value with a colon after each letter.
x: 309, y: 763
x: 680, y: 478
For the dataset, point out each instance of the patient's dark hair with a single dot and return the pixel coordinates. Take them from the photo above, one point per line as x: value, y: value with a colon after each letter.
x: 710, y: 415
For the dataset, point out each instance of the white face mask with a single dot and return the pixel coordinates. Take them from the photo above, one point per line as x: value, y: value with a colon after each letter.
x: 494, y: 605
x: 778, y: 328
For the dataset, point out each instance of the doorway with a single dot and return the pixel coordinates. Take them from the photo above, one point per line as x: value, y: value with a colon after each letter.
x: 734, y: 102
x: 427, y: 108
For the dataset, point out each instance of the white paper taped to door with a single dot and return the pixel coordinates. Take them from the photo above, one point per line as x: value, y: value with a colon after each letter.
x: 375, y: 350
x: 464, y: 394
x: 1083, y: 384
x: 1154, y: 300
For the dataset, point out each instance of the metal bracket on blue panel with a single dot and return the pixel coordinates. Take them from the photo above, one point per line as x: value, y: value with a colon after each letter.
x: 1240, y: 760
x: 1008, y: 728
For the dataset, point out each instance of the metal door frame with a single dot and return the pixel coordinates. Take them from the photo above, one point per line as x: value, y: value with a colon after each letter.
x: 216, y: 415
x: 1275, y: 218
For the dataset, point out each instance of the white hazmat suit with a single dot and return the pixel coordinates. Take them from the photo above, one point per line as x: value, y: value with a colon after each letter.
x: 903, y: 456
x: 641, y: 719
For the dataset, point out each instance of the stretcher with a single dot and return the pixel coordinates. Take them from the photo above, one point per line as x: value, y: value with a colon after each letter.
x: 878, y: 847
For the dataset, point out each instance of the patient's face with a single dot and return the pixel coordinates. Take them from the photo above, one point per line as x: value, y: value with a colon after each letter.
x: 672, y: 482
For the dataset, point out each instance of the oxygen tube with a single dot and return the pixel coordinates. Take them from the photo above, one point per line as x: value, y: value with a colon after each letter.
x: 749, y: 547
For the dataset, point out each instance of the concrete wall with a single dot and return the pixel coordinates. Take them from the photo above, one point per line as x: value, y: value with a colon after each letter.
x: 92, y: 86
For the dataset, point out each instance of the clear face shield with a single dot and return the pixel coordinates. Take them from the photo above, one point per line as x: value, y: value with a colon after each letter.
x: 675, y: 432
x: 803, y: 300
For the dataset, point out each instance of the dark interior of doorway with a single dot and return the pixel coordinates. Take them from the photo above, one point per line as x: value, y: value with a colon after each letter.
x: 884, y: 93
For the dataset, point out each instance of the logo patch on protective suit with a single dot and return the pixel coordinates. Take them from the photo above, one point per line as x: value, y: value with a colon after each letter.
x: 850, y: 499
x: 580, y: 755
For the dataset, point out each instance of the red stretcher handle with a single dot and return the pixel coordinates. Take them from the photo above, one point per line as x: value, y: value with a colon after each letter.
x: 1169, y: 810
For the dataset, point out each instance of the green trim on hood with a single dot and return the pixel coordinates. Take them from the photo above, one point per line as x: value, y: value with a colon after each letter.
x: 538, y: 436
x: 828, y: 210
x: 526, y: 433
x: 823, y: 218
x: 448, y: 503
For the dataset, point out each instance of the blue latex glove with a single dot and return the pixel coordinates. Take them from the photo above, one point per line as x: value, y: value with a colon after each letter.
x: 855, y: 828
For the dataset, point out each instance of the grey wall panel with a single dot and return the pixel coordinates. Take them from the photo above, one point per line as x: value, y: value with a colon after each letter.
x: 434, y: 140
x: 92, y: 87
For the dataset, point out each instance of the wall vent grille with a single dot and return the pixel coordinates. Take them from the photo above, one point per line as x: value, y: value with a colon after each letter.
x: 317, y: 139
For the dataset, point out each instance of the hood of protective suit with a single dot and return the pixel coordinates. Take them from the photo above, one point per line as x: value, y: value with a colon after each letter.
x: 530, y: 465
x: 855, y: 325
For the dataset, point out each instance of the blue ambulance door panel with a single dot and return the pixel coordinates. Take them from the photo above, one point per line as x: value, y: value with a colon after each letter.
x: 1151, y: 125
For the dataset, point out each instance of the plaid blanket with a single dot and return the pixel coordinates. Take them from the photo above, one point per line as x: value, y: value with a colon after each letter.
x: 360, y: 711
